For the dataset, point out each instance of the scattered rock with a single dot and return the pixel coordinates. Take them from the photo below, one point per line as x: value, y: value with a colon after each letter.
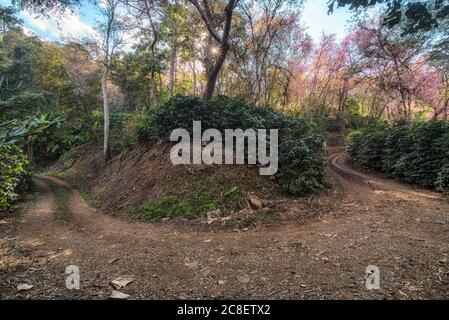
x: 191, y: 264
x: 443, y: 261
x: 118, y: 295
x: 213, y: 216
x: 243, y: 278
x: 255, y: 202
x: 205, y: 272
x: 24, y: 287
x: 413, y: 288
x: 221, y: 282
x: 122, y: 282
x: 113, y: 260
x: 328, y: 235
x: 34, y: 269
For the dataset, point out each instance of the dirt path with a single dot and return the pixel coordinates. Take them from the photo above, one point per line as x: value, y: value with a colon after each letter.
x: 402, y: 230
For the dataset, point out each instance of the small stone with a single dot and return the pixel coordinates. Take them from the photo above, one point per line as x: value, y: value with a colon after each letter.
x: 255, y: 202
x: 213, y: 216
x: 191, y: 264
x: 243, y: 278
x: 221, y: 282
x: 24, y: 287
x: 443, y: 261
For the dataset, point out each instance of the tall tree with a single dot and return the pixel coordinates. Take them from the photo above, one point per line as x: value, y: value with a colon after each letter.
x: 111, y: 40
x: 146, y: 16
x: 219, y: 28
x: 262, y: 47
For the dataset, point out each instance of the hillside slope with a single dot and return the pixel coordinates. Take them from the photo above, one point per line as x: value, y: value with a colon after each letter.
x: 142, y: 183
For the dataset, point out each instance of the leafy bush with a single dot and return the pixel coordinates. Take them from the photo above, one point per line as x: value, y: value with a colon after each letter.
x: 366, y: 147
x: 44, y: 136
x: 117, y: 121
x: 166, y: 207
x: 428, y: 153
x: 416, y: 154
x: 398, y: 145
x: 358, y: 117
x: 14, y: 175
x: 301, y: 149
x: 25, y: 103
x: 138, y: 129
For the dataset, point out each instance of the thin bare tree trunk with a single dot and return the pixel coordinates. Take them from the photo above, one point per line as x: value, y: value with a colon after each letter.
x: 171, y: 83
x: 104, y: 87
x: 194, y: 68
x: 174, y: 54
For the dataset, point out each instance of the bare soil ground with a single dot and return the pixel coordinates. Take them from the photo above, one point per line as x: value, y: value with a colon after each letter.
x: 401, y: 229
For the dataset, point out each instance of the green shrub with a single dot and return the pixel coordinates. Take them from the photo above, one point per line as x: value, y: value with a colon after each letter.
x: 130, y: 129
x: 301, y: 165
x: 427, y: 155
x: 301, y: 148
x: 366, y: 147
x: 14, y: 174
x: 358, y: 118
x: 417, y: 154
x: 398, y: 144
x: 166, y: 207
x: 25, y: 103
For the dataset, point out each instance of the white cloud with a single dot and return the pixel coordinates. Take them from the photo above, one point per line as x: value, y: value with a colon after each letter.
x: 28, y: 32
x: 68, y: 25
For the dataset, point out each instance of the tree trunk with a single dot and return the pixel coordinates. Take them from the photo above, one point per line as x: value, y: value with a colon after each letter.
x: 104, y: 87
x: 213, y: 74
x: 153, y: 87
x: 174, y: 54
x: 171, y: 83
x: 207, y: 16
x: 194, y: 68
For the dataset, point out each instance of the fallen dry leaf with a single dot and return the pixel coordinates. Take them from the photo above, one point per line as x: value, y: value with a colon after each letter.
x: 122, y: 282
x: 118, y: 295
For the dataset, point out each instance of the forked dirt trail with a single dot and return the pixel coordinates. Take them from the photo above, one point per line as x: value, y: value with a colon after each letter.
x: 402, y: 230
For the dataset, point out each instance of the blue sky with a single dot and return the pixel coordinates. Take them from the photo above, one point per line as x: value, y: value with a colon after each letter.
x: 82, y: 22
x: 317, y: 20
